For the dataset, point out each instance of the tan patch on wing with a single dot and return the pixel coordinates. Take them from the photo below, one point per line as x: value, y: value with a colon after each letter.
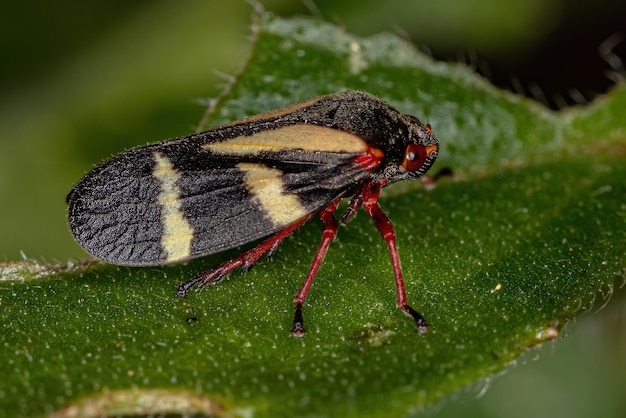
x: 294, y: 137
x: 177, y: 232
x: 267, y: 188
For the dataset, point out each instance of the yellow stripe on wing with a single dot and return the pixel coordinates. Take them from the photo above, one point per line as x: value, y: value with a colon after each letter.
x: 177, y: 232
x: 313, y: 138
x: 267, y: 188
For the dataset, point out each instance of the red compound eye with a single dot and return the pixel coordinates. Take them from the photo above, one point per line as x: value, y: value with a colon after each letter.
x: 415, y: 156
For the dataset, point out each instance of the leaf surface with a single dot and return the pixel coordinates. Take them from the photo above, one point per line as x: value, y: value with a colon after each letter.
x: 521, y: 240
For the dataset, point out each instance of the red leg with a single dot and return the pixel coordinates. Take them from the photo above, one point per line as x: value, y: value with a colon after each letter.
x: 246, y: 260
x: 355, y: 204
x: 329, y: 233
x: 371, y: 192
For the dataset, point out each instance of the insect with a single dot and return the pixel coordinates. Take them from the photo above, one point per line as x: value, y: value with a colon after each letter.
x: 263, y: 176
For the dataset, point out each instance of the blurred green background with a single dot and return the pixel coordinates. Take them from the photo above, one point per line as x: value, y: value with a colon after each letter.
x: 81, y: 81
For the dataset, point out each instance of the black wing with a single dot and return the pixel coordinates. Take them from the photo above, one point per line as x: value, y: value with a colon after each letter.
x: 209, y: 192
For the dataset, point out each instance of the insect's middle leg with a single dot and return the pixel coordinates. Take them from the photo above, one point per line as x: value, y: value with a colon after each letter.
x: 329, y: 233
x: 246, y: 260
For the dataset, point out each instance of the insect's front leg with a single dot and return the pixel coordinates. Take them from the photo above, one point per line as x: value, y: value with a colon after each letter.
x: 371, y: 192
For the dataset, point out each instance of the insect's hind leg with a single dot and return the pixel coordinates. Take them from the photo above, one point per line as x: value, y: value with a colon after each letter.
x: 246, y: 260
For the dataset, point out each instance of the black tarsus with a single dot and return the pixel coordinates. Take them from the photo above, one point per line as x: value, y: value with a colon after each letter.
x: 298, y: 322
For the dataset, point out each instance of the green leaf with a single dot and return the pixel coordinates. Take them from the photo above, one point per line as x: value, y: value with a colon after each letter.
x: 499, y: 258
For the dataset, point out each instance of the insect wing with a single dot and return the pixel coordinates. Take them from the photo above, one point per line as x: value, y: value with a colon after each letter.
x: 210, y: 192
